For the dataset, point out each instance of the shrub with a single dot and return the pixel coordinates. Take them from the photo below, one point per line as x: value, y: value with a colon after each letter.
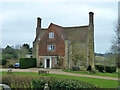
x: 108, y: 69
x: 61, y: 84
x: 89, y: 68
x: 75, y: 69
x: 17, y: 81
x: 3, y: 62
x: 38, y: 83
x: 27, y: 62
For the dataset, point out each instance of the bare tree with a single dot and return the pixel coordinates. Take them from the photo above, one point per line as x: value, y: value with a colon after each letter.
x: 115, y: 48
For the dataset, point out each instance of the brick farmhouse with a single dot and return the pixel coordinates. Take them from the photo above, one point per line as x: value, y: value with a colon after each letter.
x: 64, y: 47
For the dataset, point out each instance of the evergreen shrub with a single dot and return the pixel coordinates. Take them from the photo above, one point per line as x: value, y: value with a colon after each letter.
x: 109, y: 69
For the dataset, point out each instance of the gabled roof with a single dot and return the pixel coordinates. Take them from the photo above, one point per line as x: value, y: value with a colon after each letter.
x: 73, y: 33
x: 69, y: 33
x: 59, y: 29
x: 76, y: 33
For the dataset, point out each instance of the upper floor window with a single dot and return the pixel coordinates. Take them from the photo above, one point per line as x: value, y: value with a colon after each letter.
x: 51, y: 47
x: 51, y: 35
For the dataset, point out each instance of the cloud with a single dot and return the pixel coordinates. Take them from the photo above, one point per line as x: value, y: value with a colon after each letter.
x: 19, y: 19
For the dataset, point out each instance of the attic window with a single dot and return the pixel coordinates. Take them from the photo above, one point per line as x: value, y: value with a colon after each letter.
x: 51, y: 35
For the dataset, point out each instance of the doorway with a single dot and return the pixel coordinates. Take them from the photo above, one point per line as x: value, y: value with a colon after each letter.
x: 48, y: 63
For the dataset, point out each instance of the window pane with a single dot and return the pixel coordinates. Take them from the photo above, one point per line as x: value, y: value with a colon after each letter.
x: 51, y: 47
x: 51, y: 35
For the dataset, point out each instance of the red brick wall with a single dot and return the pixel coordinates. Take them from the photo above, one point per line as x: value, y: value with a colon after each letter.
x: 57, y: 41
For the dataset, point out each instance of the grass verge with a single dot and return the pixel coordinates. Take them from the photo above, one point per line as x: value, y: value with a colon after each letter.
x: 115, y: 75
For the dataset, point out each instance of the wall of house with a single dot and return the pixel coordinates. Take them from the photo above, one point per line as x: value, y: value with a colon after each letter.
x: 57, y: 41
x: 79, y: 54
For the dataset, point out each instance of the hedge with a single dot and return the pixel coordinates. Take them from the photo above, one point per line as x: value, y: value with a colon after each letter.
x: 109, y: 69
x: 27, y: 62
x: 3, y: 61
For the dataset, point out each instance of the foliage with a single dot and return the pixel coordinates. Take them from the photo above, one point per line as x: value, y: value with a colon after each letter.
x: 89, y: 68
x: 17, y: 81
x: 26, y: 46
x: 27, y: 62
x: 115, y: 48
x: 55, y: 83
x: 102, y: 83
x: 60, y: 84
x: 3, y: 62
x: 75, y: 69
x: 21, y: 52
x: 109, y: 69
x: 9, y: 53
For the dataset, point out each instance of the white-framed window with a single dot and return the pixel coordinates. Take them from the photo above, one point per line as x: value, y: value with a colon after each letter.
x: 51, y: 35
x: 51, y: 47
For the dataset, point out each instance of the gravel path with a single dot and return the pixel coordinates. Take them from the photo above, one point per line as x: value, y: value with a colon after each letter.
x: 54, y: 71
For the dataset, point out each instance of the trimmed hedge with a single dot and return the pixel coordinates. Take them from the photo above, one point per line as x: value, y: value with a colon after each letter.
x: 27, y: 62
x: 109, y: 69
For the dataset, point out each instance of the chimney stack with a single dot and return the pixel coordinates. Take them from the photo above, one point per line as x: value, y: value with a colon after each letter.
x: 39, y: 22
x: 91, y: 18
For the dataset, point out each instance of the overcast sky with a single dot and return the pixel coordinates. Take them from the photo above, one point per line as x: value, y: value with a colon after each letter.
x: 19, y: 19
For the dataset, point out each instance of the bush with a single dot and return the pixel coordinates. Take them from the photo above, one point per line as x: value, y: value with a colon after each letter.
x: 27, y: 62
x: 75, y: 69
x: 108, y: 69
x: 17, y: 81
x: 61, y: 84
x: 38, y: 83
x: 89, y: 68
x: 3, y: 62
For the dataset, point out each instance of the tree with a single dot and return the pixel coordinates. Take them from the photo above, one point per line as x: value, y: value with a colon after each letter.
x: 115, y: 48
x: 26, y: 46
x: 23, y: 50
x: 9, y: 53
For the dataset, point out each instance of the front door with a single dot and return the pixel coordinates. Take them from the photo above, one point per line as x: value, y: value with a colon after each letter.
x: 48, y: 63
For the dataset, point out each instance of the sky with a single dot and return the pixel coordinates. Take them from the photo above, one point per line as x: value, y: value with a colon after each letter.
x: 18, y: 19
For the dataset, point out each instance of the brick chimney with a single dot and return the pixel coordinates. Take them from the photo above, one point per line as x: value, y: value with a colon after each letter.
x: 91, y: 18
x: 38, y: 26
x: 39, y: 22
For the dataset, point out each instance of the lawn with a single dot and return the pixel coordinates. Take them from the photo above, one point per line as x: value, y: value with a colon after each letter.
x: 102, y: 83
x: 115, y: 74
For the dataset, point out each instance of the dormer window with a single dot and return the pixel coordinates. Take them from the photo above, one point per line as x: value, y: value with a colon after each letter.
x: 51, y: 35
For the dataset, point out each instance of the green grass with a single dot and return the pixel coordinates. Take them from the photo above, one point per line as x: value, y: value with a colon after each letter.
x: 115, y: 74
x: 102, y: 83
